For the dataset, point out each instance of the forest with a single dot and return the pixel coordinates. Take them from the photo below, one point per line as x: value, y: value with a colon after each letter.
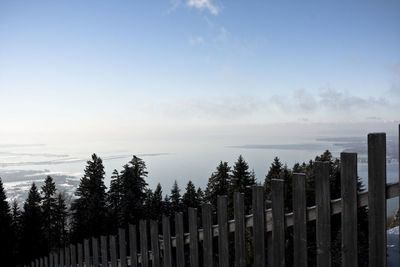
x: 45, y: 222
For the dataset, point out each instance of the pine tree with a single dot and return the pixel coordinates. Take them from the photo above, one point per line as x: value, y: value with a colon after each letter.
x: 48, y: 211
x: 176, y: 199
x: 89, y: 209
x: 6, y: 230
x: 242, y: 181
x: 218, y: 183
x: 60, y: 221
x: 156, y: 204
x: 133, y: 191
x: 32, y: 236
x: 273, y: 173
x: 190, y: 197
x: 166, y: 206
x: 200, y: 195
x: 114, y: 201
x: 16, y: 215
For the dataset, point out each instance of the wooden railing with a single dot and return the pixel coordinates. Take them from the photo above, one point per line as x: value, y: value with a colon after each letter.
x: 267, y: 226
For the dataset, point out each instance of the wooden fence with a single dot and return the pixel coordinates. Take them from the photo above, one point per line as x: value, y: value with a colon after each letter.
x: 147, y: 246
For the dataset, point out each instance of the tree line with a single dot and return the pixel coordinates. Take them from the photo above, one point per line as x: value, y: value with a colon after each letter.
x: 46, y: 222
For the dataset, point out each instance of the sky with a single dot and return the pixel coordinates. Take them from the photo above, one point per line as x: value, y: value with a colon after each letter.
x: 163, y: 71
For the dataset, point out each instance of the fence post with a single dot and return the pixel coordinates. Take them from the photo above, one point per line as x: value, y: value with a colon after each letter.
x: 61, y: 251
x: 155, y: 248
x: 167, y: 241
x: 207, y: 234
x: 122, y: 247
x: 348, y: 176
x: 80, y: 255
x: 193, y: 234
x: 300, y: 220
x: 55, y: 259
x: 180, y: 252
x: 46, y: 262
x: 86, y: 248
x: 240, y: 249
x: 73, y: 255
x: 377, y: 198
x: 258, y: 225
x: 67, y: 257
x: 143, y: 243
x: 223, y: 241
x: 133, y: 245
x: 103, y: 249
x: 95, y: 251
x: 41, y: 262
x: 323, y: 222
x: 113, y: 251
x: 51, y: 262
x: 278, y: 220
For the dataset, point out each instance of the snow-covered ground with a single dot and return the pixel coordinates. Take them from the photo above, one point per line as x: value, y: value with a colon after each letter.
x: 393, y: 247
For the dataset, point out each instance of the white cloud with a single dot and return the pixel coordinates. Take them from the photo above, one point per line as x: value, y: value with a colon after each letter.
x: 204, y: 4
x: 196, y: 40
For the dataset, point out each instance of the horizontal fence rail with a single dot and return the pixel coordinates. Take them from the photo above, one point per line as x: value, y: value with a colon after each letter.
x: 150, y: 243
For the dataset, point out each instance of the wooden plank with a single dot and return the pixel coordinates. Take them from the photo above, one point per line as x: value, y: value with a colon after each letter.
x: 223, y: 241
x: 41, y: 262
x: 323, y: 222
x: 167, y: 242
x: 113, y: 251
x: 73, y: 255
x: 348, y: 174
x: 207, y: 234
x: 122, y: 247
x: 240, y: 249
x: 95, y: 251
x: 155, y: 244
x: 194, y: 240
x: 80, y: 255
x: 104, y: 251
x: 377, y: 198
x: 133, y: 245
x: 86, y: 248
x: 46, y: 261
x: 61, y: 257
x: 51, y: 259
x: 300, y: 220
x: 143, y: 243
x: 55, y: 256
x: 258, y: 226
x: 37, y: 262
x: 278, y: 216
x: 67, y: 257
x: 180, y: 252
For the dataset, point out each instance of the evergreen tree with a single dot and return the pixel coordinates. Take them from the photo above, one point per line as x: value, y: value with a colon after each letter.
x: 273, y: 173
x: 218, y: 183
x: 133, y: 191
x: 32, y: 236
x: 89, y: 209
x: 114, y: 201
x: 166, y: 206
x: 16, y: 225
x: 156, y: 204
x: 242, y: 181
x: 190, y: 197
x: 60, y: 221
x: 200, y: 195
x: 48, y: 212
x: 176, y: 199
x: 6, y: 230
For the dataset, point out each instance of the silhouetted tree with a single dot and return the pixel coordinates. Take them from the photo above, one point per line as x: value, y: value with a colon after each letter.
x: 114, y: 201
x: 133, y: 191
x: 89, y: 209
x: 155, y: 206
x: 176, y: 199
x: 6, y: 230
x: 218, y: 183
x: 48, y: 211
x: 190, y: 197
x: 60, y: 221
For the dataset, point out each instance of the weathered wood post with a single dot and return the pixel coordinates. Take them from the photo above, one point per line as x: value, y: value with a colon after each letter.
x: 258, y: 225
x: 167, y: 242
x: 143, y: 243
x: 86, y: 249
x: 180, y: 252
x: 155, y: 244
x: 194, y: 240
x: 377, y: 199
x: 206, y: 213
x: 103, y: 249
x: 113, y: 251
x: 323, y: 223
x: 61, y: 257
x: 67, y: 257
x: 73, y: 255
x: 348, y: 176
x: 300, y: 220
x: 122, y: 247
x: 240, y: 248
x: 133, y: 245
x: 278, y: 221
x: 223, y: 241
x: 95, y: 251
x: 80, y: 255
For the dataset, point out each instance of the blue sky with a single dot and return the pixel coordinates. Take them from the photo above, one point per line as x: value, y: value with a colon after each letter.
x: 79, y: 66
